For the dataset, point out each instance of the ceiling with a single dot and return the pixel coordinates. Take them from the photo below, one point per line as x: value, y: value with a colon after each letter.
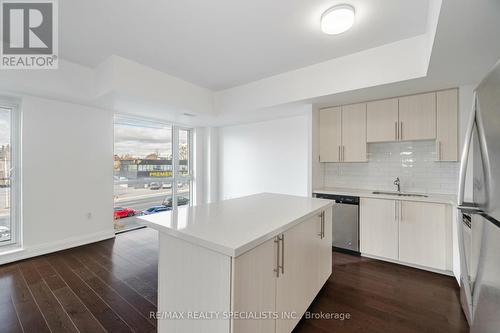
x: 224, y: 43
x: 465, y: 49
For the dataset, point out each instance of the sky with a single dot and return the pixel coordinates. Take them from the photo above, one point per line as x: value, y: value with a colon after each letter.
x: 141, y: 140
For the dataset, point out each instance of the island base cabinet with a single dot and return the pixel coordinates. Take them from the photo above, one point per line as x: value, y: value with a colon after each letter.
x: 192, y: 281
x: 254, y: 287
x: 324, y: 250
x: 295, y: 287
x: 282, y: 276
x: 264, y: 290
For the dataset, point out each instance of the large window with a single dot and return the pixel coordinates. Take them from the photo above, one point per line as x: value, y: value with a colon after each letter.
x: 152, y: 169
x: 8, y: 162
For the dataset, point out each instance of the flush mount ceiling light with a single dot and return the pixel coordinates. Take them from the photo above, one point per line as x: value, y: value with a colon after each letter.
x: 337, y: 19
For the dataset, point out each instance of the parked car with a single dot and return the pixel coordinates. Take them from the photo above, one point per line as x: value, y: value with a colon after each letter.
x: 181, y: 201
x: 121, y: 212
x: 166, y: 186
x: 156, y: 209
x: 154, y: 186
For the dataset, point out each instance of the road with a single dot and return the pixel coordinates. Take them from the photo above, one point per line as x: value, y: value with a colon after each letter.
x: 142, y: 203
x: 139, y: 203
x: 145, y: 201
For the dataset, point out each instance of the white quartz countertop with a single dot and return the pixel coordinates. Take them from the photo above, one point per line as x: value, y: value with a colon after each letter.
x: 235, y: 226
x: 435, y: 198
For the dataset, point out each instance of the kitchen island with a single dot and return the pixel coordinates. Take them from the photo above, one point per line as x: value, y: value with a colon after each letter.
x: 251, y: 264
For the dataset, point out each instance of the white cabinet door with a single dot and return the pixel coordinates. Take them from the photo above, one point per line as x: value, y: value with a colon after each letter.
x: 417, y: 117
x: 330, y: 134
x: 296, y: 285
x: 324, y: 253
x: 382, y: 120
x: 354, y: 133
x: 423, y: 234
x: 379, y: 227
x: 447, y: 125
x: 254, y: 287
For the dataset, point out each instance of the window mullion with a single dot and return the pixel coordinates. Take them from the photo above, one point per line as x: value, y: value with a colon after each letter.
x: 175, y: 165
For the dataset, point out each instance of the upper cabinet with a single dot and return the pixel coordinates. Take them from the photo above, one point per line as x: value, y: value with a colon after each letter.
x: 402, y: 119
x: 343, y: 134
x: 447, y: 125
x: 382, y: 120
x: 417, y: 117
x: 346, y: 130
x: 330, y: 134
x: 354, y: 133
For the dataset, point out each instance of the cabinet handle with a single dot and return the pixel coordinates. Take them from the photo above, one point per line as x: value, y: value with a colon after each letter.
x: 277, y: 269
x: 320, y: 234
x: 401, y: 132
x: 343, y: 153
x: 401, y: 217
x: 322, y: 225
x: 340, y: 157
x: 439, y: 150
x: 396, y: 211
x: 396, y: 130
x: 323, y: 220
x: 282, y: 254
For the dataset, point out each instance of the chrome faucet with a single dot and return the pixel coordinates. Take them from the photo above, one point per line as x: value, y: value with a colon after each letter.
x: 397, y: 182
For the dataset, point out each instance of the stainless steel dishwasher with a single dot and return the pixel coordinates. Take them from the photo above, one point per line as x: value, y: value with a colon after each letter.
x: 345, y: 224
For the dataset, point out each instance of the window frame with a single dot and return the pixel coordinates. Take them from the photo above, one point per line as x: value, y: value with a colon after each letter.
x: 175, y: 163
x: 16, y: 238
x: 175, y: 178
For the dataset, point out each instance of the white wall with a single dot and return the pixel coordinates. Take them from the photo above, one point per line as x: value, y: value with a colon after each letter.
x: 270, y: 156
x: 67, y: 174
x: 134, y: 84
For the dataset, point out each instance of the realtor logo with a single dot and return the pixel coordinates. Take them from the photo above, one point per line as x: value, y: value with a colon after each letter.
x: 29, y: 34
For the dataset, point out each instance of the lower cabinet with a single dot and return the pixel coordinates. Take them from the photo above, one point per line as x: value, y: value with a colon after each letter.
x: 416, y: 233
x: 422, y: 234
x: 379, y: 227
x: 282, y: 276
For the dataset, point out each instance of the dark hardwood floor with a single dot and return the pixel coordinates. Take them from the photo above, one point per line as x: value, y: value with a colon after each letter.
x: 111, y: 286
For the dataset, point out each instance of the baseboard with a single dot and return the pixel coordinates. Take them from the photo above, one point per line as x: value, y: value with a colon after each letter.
x: 38, y: 250
x: 433, y: 270
x: 346, y: 251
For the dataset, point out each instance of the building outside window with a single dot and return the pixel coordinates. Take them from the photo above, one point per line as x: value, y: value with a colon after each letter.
x: 152, y: 169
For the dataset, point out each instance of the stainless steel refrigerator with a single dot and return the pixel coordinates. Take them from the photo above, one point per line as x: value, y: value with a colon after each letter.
x: 480, y: 220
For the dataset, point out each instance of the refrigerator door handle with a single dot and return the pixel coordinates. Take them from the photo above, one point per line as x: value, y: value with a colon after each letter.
x: 465, y: 152
x: 485, y: 157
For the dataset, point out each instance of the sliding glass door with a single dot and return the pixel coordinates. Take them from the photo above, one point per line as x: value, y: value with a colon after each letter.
x: 152, y: 169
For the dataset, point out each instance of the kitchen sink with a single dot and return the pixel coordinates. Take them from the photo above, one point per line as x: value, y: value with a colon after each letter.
x: 399, y: 194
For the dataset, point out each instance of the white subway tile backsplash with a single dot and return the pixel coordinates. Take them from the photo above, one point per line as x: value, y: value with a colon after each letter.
x: 414, y: 162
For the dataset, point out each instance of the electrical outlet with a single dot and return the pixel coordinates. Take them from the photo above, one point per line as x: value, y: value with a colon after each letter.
x: 89, y: 215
